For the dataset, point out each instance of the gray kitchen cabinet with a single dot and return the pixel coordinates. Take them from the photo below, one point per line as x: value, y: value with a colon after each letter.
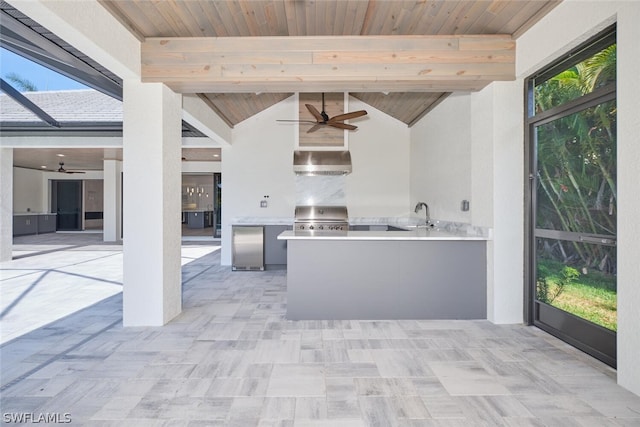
x: 275, y: 251
x: 199, y: 219
x: 373, y: 227
x: 195, y: 220
x: 359, y: 227
x: 46, y: 224
x: 25, y: 224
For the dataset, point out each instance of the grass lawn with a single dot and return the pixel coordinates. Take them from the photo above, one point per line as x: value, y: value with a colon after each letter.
x: 591, y: 296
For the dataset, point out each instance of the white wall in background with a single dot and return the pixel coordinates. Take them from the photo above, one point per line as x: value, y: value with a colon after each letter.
x: 441, y: 160
x: 201, y: 167
x: 379, y: 183
x: 28, y: 190
x: 6, y: 203
x: 497, y: 189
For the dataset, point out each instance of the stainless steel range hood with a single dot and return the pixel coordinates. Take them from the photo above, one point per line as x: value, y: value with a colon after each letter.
x: 321, y: 162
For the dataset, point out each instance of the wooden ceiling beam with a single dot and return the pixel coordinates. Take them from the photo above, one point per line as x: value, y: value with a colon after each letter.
x: 329, y: 63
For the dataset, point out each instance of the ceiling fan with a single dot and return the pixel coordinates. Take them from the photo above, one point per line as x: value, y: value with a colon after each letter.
x: 323, y: 119
x: 61, y: 169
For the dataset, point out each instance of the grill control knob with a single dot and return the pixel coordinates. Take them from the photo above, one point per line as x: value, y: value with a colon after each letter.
x: 320, y: 227
x: 311, y: 227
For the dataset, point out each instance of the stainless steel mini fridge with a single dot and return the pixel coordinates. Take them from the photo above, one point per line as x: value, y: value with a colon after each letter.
x: 247, y: 244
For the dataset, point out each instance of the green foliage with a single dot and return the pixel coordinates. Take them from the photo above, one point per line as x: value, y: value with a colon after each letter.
x: 542, y: 283
x: 591, y: 296
x: 22, y: 83
x: 550, y: 286
x: 577, y: 161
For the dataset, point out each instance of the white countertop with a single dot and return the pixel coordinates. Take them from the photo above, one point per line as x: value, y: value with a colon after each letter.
x: 411, y: 234
x: 32, y: 213
x: 253, y: 220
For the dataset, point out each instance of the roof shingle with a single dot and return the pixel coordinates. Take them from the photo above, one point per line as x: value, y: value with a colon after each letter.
x: 84, y: 105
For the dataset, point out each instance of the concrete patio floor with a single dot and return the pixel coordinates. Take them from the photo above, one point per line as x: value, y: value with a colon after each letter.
x: 232, y: 359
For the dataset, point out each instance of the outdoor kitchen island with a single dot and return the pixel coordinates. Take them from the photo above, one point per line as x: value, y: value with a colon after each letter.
x: 419, y: 273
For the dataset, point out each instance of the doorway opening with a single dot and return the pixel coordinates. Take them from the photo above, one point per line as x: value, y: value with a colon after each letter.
x: 201, y: 205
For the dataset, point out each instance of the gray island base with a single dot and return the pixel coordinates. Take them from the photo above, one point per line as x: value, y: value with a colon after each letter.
x: 350, y: 278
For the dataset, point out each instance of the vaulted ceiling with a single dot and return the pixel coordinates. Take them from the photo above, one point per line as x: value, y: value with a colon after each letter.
x: 182, y: 42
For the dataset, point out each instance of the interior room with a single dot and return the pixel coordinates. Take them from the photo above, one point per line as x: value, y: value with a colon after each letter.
x: 427, y: 218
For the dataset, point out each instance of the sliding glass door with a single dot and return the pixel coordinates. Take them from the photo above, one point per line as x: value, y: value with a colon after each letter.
x: 572, y: 174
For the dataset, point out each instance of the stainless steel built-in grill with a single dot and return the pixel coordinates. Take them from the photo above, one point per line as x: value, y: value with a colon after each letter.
x: 321, y: 219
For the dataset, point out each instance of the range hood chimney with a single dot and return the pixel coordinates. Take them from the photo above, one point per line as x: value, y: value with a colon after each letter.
x: 321, y: 162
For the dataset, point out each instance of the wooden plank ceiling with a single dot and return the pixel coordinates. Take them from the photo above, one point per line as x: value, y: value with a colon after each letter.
x: 297, y: 19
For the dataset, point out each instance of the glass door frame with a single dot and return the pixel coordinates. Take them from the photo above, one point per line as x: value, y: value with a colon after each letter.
x: 593, y: 339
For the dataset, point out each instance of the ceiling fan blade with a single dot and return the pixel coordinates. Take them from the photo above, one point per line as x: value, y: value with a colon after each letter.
x: 314, y: 128
x: 314, y: 112
x: 74, y: 172
x: 347, y: 116
x: 342, y: 125
x: 297, y: 121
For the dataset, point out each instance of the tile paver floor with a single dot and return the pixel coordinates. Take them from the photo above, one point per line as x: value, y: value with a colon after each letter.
x: 232, y: 359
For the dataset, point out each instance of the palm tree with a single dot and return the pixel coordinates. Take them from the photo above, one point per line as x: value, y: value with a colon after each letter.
x: 577, y: 157
x: 22, y: 83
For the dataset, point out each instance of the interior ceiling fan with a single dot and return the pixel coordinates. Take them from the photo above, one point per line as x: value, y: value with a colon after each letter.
x: 61, y: 169
x: 323, y: 119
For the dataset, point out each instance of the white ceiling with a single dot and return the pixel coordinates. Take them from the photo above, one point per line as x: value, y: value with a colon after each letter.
x: 92, y: 158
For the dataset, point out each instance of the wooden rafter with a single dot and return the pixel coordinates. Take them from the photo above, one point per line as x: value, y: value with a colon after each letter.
x: 329, y: 63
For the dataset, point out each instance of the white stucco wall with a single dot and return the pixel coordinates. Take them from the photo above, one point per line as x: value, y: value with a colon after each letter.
x: 6, y: 203
x: 29, y: 191
x: 441, y: 160
x: 379, y: 184
x: 497, y: 191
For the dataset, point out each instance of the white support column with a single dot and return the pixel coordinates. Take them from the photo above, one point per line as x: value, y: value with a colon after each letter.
x: 498, y: 194
x: 112, y: 200
x: 151, y: 175
x: 6, y: 203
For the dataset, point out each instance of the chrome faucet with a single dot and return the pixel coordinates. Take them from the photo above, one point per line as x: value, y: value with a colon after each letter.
x: 426, y: 207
